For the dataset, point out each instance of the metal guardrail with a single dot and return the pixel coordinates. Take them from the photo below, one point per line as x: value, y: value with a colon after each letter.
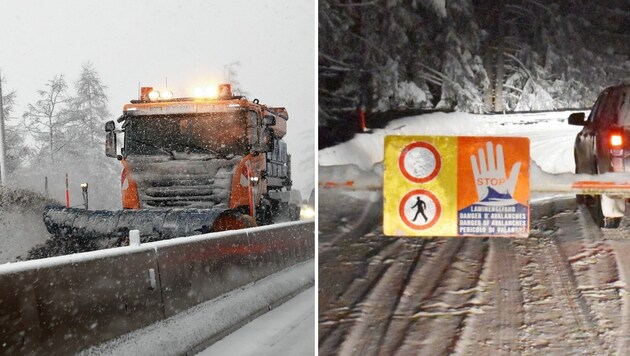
x: 62, y: 305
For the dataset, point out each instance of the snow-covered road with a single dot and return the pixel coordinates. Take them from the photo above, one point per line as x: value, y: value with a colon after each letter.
x: 563, y: 290
x: 286, y: 330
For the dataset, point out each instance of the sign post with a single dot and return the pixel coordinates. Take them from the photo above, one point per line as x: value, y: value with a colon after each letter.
x: 456, y: 186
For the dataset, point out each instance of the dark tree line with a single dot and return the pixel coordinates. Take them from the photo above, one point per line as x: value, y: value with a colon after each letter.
x: 475, y: 56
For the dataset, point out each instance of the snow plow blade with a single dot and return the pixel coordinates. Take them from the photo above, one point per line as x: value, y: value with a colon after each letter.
x: 153, y: 224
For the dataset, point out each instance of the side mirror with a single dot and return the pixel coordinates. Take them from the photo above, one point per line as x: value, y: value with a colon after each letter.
x: 110, y: 143
x: 268, y: 140
x: 577, y: 118
x: 110, y: 126
x: 269, y: 120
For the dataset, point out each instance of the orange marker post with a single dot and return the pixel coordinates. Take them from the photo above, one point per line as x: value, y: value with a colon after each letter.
x: 67, y: 193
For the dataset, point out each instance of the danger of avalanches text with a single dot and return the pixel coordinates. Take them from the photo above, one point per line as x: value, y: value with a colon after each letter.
x: 492, y: 220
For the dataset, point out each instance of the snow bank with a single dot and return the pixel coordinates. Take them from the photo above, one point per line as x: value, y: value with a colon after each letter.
x: 551, y: 137
x: 351, y: 177
x: 357, y: 164
x: 21, y: 222
x: 212, y: 320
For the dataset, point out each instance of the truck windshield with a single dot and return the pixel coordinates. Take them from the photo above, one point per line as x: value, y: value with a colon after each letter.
x: 208, y: 133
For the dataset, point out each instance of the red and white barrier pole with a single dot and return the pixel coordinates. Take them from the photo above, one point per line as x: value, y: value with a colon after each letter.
x: 361, y: 112
x: 350, y: 177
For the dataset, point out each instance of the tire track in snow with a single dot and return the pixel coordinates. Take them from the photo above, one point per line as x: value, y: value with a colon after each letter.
x: 477, y: 330
x: 422, y: 282
x: 622, y: 251
x: 509, y: 298
x: 440, y: 318
x: 337, y: 314
x: 566, y: 279
x: 596, y: 271
x: 366, y: 335
x: 559, y: 276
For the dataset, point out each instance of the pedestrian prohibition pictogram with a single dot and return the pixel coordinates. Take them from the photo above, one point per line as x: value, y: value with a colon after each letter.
x: 420, y: 209
x: 456, y: 186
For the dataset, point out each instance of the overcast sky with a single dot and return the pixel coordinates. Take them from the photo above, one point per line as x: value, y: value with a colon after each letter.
x: 189, y: 42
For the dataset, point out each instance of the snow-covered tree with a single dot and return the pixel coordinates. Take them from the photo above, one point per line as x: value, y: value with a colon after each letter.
x: 372, y: 54
x: 470, y: 55
x: 69, y: 131
x: 16, y: 150
x: 88, y: 108
x: 464, y: 77
x: 47, y: 119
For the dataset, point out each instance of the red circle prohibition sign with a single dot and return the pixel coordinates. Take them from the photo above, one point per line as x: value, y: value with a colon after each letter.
x: 430, y: 176
x: 430, y: 223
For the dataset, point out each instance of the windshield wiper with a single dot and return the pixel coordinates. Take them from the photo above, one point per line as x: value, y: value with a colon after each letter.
x: 187, y: 147
x: 168, y: 152
x: 205, y: 149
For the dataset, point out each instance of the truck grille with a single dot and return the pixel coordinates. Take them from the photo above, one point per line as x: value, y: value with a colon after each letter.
x: 184, y: 183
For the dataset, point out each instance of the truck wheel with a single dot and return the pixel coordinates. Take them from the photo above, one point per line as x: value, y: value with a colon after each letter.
x: 582, y: 199
x: 598, y: 215
x: 264, y: 214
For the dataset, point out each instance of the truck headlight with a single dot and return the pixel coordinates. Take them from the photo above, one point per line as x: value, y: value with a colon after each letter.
x: 166, y: 95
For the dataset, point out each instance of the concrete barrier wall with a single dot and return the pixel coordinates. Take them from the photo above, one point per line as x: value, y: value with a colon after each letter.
x: 64, y: 304
x: 201, y: 270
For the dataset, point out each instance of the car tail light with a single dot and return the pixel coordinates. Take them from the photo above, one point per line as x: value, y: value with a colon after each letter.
x: 616, y: 140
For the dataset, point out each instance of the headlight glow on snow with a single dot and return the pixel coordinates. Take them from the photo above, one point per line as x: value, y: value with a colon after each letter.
x: 205, y: 93
x: 166, y: 95
x: 210, y: 92
x: 198, y: 93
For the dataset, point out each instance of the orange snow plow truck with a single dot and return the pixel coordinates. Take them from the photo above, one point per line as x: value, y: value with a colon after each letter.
x: 191, y: 166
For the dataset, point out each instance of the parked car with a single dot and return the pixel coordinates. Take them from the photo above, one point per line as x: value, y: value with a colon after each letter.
x: 603, y: 146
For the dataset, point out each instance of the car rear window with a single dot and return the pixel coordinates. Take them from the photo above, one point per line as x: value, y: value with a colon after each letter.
x: 624, y: 107
x: 613, y: 107
x: 607, y: 108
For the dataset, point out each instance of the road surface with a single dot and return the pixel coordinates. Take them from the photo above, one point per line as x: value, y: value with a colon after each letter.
x: 288, y: 329
x: 562, y: 290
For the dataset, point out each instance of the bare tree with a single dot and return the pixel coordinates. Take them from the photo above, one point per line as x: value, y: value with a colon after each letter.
x: 47, y: 118
x: 3, y: 156
x: 15, y: 149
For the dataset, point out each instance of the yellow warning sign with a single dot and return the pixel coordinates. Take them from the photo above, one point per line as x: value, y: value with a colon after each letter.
x: 456, y: 186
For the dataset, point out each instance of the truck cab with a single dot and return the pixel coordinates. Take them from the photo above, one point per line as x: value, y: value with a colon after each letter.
x: 223, y: 152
